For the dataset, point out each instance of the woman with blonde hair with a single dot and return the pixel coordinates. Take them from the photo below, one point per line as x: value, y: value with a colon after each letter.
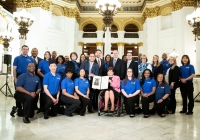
x: 143, y: 66
x: 157, y: 68
x: 172, y: 78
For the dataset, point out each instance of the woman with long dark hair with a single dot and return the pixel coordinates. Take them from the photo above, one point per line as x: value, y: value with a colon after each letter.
x: 130, y: 89
x: 162, y: 95
x: 43, y: 66
x: 82, y: 59
x: 187, y: 74
x: 148, y: 87
x: 106, y: 64
x: 60, y: 63
x: 172, y: 76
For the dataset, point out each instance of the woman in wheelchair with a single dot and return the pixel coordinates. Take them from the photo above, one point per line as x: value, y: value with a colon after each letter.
x: 113, y: 90
x: 130, y: 89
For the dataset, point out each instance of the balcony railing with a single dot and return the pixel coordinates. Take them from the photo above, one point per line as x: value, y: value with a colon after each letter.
x: 113, y: 35
x: 89, y: 35
x: 131, y: 35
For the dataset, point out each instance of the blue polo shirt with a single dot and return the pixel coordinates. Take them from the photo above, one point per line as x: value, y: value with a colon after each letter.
x: 131, y: 86
x: 44, y: 66
x: 52, y: 82
x: 186, y: 71
x: 83, y: 85
x: 22, y: 62
x: 68, y: 85
x: 161, y: 90
x: 61, y: 70
x: 148, y: 85
x: 165, y: 65
x: 26, y: 79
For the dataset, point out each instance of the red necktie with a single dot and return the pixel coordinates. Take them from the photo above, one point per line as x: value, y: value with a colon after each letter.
x: 99, y: 62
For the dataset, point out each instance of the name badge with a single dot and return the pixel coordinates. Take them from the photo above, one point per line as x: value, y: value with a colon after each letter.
x: 162, y: 87
x: 149, y: 82
x: 187, y: 67
x: 28, y: 59
x: 36, y: 81
x: 133, y: 83
x: 58, y: 78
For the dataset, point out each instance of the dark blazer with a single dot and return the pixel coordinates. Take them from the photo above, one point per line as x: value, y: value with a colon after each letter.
x: 104, y: 71
x: 174, y: 76
x: 36, y: 65
x: 86, y: 66
x: 157, y: 70
x: 101, y: 67
x: 134, y: 66
x: 119, y: 68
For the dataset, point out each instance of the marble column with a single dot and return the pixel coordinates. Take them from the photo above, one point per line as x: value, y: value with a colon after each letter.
x: 121, y: 48
x: 107, y: 47
x: 197, y: 57
x: 80, y: 48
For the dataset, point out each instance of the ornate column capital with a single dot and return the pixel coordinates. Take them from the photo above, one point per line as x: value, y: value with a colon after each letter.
x: 120, y: 44
x: 100, y: 44
x: 80, y: 44
x: 44, y: 4
x: 150, y: 13
x: 179, y: 4
x: 72, y: 13
x: 140, y: 44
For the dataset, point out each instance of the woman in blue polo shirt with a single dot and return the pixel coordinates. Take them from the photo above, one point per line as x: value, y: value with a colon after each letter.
x: 187, y: 74
x: 162, y: 95
x: 130, y: 89
x: 43, y: 66
x: 148, y: 87
x: 61, y: 66
x: 82, y: 88
x: 68, y: 97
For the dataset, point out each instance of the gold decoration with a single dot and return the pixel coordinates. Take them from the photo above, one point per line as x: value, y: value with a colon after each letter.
x: 120, y: 44
x: 100, y: 44
x: 72, y: 13
x: 140, y: 44
x: 44, y: 4
x: 1, y: 41
x: 80, y: 44
x: 150, y: 13
x: 179, y: 4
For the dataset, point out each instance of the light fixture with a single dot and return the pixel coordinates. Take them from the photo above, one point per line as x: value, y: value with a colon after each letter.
x: 108, y: 9
x: 194, y: 20
x: 6, y: 37
x: 135, y: 47
x: 174, y: 54
x: 24, y: 19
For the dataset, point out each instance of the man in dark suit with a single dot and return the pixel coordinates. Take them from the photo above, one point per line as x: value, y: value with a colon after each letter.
x: 34, y: 55
x: 118, y: 65
x: 99, y: 61
x: 131, y: 64
x: 91, y: 69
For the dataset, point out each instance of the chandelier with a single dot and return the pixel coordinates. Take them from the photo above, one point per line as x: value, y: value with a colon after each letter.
x: 194, y: 20
x: 108, y: 9
x: 24, y: 19
x: 6, y: 37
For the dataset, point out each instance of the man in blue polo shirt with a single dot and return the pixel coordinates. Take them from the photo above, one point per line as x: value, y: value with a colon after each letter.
x: 20, y: 66
x: 25, y: 93
x: 51, y: 85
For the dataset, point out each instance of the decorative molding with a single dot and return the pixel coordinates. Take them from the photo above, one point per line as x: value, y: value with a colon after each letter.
x: 179, y: 4
x: 44, y: 4
x: 80, y: 44
x: 140, y: 44
x: 150, y: 13
x: 72, y: 13
x: 120, y: 44
x: 100, y: 44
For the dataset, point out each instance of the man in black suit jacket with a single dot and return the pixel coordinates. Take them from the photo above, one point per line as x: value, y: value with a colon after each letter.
x: 34, y: 55
x: 131, y: 64
x: 118, y: 65
x: 99, y: 61
x: 91, y: 69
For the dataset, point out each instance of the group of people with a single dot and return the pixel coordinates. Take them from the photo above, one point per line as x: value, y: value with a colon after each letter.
x: 62, y: 81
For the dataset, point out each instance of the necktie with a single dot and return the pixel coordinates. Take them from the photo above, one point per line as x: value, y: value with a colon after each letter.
x: 90, y: 69
x: 114, y: 62
x: 36, y: 61
x: 99, y: 63
x: 128, y: 64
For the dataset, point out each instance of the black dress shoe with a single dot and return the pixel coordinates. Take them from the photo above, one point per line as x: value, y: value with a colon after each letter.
x: 14, y: 110
x: 26, y: 120
x: 82, y: 114
x: 189, y: 113
x: 46, y: 116
x: 90, y: 111
x: 70, y: 115
x: 182, y: 111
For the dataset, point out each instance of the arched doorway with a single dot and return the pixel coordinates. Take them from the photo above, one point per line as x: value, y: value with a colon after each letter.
x: 131, y: 31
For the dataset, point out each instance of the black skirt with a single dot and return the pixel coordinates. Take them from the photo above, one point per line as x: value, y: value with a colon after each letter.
x: 116, y: 94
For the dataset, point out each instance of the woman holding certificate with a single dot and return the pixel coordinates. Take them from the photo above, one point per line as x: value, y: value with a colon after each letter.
x: 113, y: 90
x: 130, y: 89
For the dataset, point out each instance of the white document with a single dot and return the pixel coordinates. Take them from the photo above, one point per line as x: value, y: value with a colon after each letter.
x: 100, y: 82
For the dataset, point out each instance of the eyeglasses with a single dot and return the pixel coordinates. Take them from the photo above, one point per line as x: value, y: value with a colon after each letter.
x: 129, y: 71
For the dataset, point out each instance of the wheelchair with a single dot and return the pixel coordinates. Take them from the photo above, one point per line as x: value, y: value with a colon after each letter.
x: 119, y: 107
